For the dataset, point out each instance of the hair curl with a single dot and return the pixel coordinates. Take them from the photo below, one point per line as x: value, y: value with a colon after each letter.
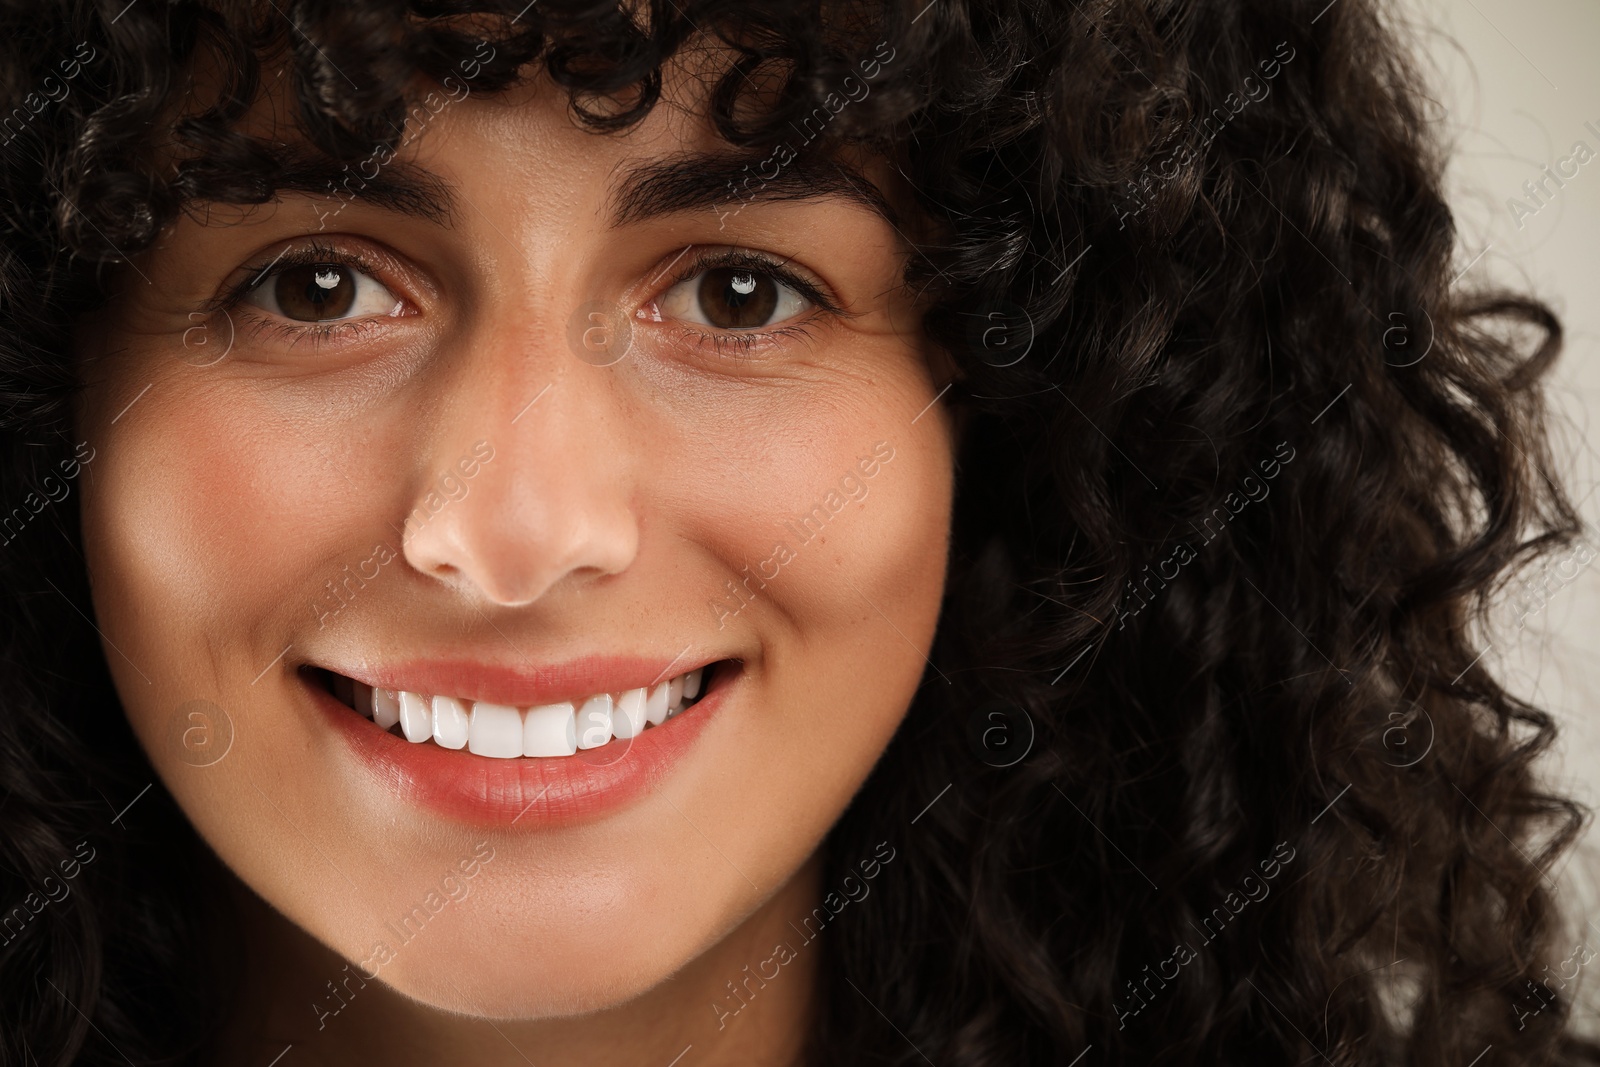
x: 1202, y: 279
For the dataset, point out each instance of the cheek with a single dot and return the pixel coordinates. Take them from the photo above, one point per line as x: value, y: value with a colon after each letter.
x: 843, y: 623
x: 797, y: 552
x: 202, y: 527
x: 208, y: 529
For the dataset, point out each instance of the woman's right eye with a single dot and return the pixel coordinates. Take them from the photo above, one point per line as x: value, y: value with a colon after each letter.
x: 322, y: 292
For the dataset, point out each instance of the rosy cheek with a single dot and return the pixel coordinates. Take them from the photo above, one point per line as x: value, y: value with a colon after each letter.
x: 198, y: 527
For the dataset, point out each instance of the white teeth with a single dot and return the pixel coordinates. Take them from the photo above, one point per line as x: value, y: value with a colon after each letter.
x: 385, y: 707
x: 449, y: 722
x: 501, y: 731
x: 549, y: 730
x: 594, y: 721
x: 416, y: 718
x: 495, y: 730
x: 655, y: 705
x: 627, y: 718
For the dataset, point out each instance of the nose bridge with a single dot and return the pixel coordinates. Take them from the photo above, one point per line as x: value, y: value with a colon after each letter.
x: 550, y: 493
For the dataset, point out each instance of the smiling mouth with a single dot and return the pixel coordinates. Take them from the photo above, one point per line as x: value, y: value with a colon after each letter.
x: 501, y: 731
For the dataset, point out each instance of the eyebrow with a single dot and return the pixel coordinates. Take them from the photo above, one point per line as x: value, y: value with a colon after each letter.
x: 722, y: 182
x: 397, y: 186
x: 726, y: 183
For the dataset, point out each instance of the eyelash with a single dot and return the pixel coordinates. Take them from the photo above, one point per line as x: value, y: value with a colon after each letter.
x: 314, y: 253
x: 291, y: 334
x: 744, y: 341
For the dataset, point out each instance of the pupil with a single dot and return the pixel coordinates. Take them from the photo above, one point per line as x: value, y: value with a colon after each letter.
x: 734, y: 298
x: 315, y: 291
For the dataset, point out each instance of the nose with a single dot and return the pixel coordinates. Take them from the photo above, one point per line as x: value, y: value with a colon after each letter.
x: 548, y: 499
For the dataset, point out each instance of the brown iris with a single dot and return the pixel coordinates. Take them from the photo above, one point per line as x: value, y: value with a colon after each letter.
x: 315, y: 291
x: 734, y: 298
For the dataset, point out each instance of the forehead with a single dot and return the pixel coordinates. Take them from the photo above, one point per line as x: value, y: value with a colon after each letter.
x: 453, y: 133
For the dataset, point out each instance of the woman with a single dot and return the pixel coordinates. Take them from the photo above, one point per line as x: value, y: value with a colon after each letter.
x: 739, y: 534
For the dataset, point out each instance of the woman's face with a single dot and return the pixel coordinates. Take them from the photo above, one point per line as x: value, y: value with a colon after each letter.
x: 571, y: 436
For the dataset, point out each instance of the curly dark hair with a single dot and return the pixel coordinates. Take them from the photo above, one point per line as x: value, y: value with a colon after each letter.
x: 1221, y: 546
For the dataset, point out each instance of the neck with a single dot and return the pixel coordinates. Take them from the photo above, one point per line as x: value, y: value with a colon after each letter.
x: 747, y: 999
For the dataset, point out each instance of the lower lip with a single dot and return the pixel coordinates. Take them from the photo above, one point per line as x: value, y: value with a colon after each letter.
x: 531, y: 792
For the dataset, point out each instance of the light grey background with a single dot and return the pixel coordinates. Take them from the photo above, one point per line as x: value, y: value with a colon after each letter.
x: 1516, y: 81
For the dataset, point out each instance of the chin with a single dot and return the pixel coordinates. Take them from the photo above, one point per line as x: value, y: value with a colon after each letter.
x: 533, y: 973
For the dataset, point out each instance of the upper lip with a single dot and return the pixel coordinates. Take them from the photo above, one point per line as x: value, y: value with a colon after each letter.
x: 524, y: 686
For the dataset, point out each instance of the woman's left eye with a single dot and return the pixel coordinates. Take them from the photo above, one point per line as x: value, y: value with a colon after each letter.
x: 732, y: 298
x: 322, y: 292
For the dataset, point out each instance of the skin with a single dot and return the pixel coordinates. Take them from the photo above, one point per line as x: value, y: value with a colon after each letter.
x: 225, y: 491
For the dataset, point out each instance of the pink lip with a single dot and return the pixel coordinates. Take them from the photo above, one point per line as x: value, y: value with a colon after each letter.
x: 532, y: 792
x: 521, y: 688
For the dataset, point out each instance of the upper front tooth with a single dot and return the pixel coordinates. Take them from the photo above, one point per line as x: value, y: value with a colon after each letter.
x: 594, y: 721
x: 416, y: 718
x: 495, y: 730
x: 655, y: 705
x: 675, y: 694
x: 386, y: 708
x: 449, y: 722
x: 691, y: 683
x: 549, y: 730
x: 627, y: 719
